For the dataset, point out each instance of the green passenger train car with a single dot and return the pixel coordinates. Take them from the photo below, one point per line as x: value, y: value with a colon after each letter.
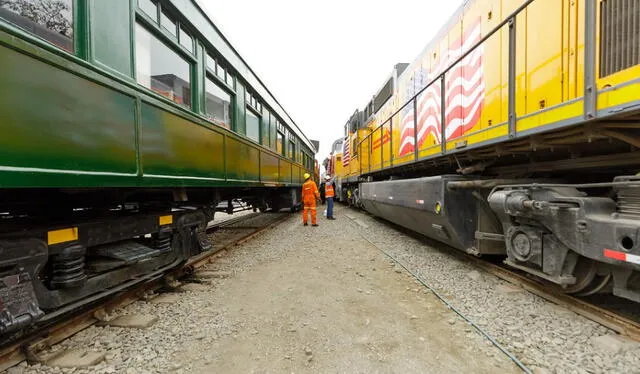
x: 124, y: 124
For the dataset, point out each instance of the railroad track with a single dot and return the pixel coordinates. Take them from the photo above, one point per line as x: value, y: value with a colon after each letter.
x: 613, y: 320
x: 32, y: 346
x: 621, y: 324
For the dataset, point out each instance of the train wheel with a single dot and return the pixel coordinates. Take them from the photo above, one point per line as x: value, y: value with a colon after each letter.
x: 589, y: 280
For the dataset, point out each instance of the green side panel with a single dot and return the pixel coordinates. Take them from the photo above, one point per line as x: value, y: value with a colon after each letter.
x: 242, y: 161
x: 240, y: 112
x: 297, y: 175
x: 173, y: 146
x: 54, y: 120
x: 269, y: 167
x: 111, y: 34
x: 285, y: 171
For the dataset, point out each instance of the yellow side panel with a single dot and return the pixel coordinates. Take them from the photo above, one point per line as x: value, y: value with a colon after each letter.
x: 620, y: 95
x: 454, y: 90
x: 403, y: 160
x: 508, y: 6
x: 546, y: 117
x: 429, y: 151
x: 544, y: 54
x: 573, y: 49
x: 364, y: 157
x: 478, y: 136
x: 616, y: 96
x: 354, y: 164
x: 492, y: 61
x: 375, y: 150
x: 386, y: 142
x: 338, y: 163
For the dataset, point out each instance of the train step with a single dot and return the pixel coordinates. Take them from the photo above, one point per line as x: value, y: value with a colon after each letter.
x: 114, y: 255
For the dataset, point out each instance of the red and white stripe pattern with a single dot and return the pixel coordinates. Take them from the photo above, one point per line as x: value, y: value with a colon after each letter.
x: 346, y: 152
x: 465, y: 90
x: 621, y: 256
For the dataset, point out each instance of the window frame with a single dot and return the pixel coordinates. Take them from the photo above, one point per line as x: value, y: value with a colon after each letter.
x: 232, y: 94
x: 168, y: 16
x: 183, y: 30
x: 283, y: 149
x: 214, y: 73
x: 291, y: 149
x: 155, y: 26
x: 248, y: 109
x: 190, y: 64
x: 170, y: 41
x: 78, y: 39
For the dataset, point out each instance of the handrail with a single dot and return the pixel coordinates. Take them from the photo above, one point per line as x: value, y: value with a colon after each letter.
x: 507, y: 20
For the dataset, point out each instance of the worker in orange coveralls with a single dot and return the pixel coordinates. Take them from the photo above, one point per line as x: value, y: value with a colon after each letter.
x: 310, y: 194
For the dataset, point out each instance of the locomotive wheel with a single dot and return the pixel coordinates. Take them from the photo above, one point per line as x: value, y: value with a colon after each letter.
x: 596, y: 285
x: 589, y: 280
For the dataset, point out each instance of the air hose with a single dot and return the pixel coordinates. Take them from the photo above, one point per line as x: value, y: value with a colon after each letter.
x: 448, y: 304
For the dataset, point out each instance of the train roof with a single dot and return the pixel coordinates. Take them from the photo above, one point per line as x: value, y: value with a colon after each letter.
x: 203, y: 22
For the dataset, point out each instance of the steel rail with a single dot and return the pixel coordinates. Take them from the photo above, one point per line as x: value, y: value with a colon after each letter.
x: 607, y: 318
x: 31, y: 346
x: 446, y: 302
x: 616, y: 322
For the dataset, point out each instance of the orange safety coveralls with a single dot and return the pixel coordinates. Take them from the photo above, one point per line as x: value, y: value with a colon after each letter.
x: 310, y: 194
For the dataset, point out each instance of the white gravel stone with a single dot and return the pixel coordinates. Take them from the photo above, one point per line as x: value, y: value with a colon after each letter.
x: 612, y: 344
x: 548, y: 337
x: 474, y: 275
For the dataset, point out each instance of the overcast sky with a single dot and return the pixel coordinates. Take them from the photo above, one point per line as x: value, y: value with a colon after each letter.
x: 323, y: 60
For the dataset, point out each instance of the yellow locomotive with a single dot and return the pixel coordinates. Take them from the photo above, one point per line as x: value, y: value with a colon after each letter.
x: 515, y: 132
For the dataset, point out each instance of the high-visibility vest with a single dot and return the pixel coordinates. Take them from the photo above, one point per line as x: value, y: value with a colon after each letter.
x: 328, y: 190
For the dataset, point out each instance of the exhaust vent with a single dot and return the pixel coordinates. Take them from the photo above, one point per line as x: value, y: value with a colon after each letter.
x: 619, y: 35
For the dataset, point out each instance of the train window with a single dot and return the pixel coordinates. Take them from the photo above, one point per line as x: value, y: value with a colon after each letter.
x: 280, y: 143
x: 229, y: 79
x: 218, y: 104
x: 211, y: 63
x: 38, y: 17
x: 292, y: 150
x: 150, y: 8
x: 253, y: 126
x: 167, y: 23
x: 161, y: 69
x: 186, y: 40
x: 221, y: 72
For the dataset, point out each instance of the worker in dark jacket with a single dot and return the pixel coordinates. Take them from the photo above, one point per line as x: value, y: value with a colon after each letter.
x: 322, y: 197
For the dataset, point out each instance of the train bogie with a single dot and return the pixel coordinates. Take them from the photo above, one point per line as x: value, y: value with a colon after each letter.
x: 576, y: 239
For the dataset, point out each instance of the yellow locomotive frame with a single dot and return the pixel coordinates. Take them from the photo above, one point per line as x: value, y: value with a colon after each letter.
x: 548, y: 72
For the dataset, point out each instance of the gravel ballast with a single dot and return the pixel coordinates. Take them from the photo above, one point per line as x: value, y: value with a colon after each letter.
x: 544, y: 336
x: 295, y: 299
